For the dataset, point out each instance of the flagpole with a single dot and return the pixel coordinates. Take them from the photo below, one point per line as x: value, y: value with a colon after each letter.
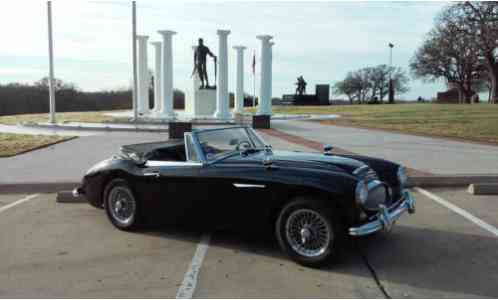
x: 51, y: 88
x: 254, y: 80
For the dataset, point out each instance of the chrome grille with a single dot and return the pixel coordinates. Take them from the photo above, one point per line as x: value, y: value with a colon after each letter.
x: 366, y: 174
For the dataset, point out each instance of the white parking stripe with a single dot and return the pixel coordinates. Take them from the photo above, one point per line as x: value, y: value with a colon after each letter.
x: 187, y: 289
x: 459, y: 211
x: 27, y: 198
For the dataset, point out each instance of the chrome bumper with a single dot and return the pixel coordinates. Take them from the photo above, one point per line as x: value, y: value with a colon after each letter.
x: 385, y: 219
x: 77, y: 192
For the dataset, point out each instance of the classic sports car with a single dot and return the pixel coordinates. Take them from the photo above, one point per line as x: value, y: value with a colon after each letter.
x: 230, y: 178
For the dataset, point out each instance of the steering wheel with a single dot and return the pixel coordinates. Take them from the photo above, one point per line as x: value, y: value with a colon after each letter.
x: 239, y: 145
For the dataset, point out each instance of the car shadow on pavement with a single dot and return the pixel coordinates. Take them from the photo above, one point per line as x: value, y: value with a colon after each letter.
x: 444, y: 261
x: 421, y: 258
x: 263, y: 244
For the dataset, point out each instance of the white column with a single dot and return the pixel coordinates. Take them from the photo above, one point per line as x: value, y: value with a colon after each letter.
x: 167, y: 74
x: 143, y: 75
x: 264, y: 107
x: 222, y: 101
x: 239, y: 92
x: 157, y: 77
x: 270, y: 85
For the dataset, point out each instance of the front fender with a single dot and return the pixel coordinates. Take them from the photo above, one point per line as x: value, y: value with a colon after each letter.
x: 99, y: 175
x: 337, y: 187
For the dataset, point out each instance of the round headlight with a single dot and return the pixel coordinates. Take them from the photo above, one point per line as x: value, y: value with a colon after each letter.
x: 361, y: 192
x: 402, y: 177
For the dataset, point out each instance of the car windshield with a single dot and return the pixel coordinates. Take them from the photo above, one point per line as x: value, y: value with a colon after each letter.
x: 218, y: 143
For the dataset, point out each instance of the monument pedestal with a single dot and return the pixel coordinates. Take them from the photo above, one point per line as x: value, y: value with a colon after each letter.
x: 261, y: 121
x: 203, y: 104
x: 177, y: 129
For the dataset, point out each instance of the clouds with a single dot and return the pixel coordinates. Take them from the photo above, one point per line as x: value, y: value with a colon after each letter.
x: 320, y: 40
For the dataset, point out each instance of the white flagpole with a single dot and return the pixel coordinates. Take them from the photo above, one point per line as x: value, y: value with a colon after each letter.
x: 51, y: 88
x: 254, y: 79
x: 134, y: 54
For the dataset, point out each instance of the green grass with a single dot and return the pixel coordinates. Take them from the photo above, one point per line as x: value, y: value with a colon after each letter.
x: 12, y: 144
x: 89, y: 117
x: 477, y: 122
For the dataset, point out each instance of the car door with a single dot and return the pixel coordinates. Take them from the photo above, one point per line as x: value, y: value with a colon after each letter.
x: 236, y: 194
x: 172, y: 189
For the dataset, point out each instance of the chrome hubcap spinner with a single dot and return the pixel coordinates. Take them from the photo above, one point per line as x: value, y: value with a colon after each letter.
x: 308, y: 233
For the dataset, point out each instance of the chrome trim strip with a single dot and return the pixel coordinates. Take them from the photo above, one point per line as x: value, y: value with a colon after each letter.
x: 385, y: 219
x: 156, y: 163
x: 361, y: 169
x: 246, y: 185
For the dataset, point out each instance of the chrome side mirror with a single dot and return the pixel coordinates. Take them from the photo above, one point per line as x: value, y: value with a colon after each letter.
x: 327, y: 149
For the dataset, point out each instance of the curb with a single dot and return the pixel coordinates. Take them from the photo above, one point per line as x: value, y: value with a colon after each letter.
x: 420, y: 181
x: 37, y: 187
x: 68, y: 197
x: 451, y: 180
x: 94, y: 128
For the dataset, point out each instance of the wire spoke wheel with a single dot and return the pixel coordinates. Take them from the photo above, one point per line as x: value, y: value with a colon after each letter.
x: 308, y: 233
x: 122, y: 205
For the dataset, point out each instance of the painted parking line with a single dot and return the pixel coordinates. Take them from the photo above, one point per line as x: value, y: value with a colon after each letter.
x: 187, y: 289
x: 20, y: 201
x: 458, y: 210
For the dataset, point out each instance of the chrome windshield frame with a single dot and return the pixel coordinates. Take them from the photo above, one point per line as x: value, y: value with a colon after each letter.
x: 251, y: 134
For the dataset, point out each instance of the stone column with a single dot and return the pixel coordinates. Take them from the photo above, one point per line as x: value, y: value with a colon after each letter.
x: 157, y: 77
x: 264, y: 107
x: 270, y: 88
x: 167, y: 74
x: 239, y: 92
x: 222, y: 100
x: 143, y: 76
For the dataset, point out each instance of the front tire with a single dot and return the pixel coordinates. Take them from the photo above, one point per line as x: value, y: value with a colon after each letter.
x: 309, y: 232
x: 121, y: 205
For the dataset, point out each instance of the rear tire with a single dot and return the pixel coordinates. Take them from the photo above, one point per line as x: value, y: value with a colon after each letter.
x: 310, y: 232
x: 121, y: 205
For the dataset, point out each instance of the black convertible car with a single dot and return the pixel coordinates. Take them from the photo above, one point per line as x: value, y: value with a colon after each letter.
x: 229, y: 178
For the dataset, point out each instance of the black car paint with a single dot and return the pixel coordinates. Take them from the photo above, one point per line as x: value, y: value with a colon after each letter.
x: 206, y: 193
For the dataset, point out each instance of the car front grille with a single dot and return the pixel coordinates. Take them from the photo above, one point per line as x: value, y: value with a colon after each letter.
x: 366, y: 174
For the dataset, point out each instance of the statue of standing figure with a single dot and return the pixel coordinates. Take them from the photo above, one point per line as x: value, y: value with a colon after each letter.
x: 200, y: 57
x: 301, y: 86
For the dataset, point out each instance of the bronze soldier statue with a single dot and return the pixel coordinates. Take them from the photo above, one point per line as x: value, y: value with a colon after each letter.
x: 200, y: 56
x: 301, y: 86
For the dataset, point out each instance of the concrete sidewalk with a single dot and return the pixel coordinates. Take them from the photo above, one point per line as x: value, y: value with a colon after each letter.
x: 432, y: 155
x: 68, y: 161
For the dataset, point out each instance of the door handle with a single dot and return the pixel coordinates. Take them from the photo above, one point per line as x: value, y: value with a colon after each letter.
x: 152, y: 174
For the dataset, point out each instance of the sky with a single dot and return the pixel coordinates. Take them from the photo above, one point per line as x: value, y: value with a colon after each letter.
x: 320, y: 40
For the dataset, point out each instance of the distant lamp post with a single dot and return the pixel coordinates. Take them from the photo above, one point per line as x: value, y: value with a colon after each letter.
x: 51, y: 87
x: 391, y: 86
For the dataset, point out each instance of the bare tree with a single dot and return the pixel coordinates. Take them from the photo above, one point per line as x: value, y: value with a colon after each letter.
x: 479, y: 22
x: 58, y: 83
x: 451, y: 54
x: 371, y: 83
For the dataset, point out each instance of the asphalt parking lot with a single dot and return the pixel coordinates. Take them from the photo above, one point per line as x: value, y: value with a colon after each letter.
x: 57, y: 250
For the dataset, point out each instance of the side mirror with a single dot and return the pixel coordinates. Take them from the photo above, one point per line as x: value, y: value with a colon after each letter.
x: 327, y: 149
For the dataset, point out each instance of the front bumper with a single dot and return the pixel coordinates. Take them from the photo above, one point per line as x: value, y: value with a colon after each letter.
x: 78, y: 192
x: 386, y: 217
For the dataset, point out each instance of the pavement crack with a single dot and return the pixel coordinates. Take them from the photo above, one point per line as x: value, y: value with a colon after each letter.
x: 375, y: 277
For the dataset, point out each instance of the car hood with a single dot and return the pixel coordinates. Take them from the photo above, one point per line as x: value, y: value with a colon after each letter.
x: 296, y: 159
x: 309, y: 159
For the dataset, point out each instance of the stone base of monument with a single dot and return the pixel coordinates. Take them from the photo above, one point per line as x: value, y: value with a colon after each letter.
x: 203, y: 103
x: 177, y: 129
x: 261, y: 122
